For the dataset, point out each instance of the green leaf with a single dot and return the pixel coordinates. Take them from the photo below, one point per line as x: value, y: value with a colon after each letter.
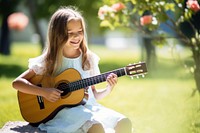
x: 170, y: 6
x: 134, y: 2
x: 106, y: 23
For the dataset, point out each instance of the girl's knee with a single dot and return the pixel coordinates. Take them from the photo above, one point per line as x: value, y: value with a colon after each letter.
x: 96, y: 128
x: 124, y: 126
x: 126, y: 122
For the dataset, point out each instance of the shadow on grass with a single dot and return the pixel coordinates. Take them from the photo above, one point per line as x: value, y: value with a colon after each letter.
x: 10, y: 71
x: 197, y: 125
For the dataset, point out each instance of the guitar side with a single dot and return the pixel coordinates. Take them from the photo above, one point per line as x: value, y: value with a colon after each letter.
x: 36, y: 109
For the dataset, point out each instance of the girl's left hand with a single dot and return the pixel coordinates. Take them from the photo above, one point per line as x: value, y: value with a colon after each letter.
x: 111, y: 81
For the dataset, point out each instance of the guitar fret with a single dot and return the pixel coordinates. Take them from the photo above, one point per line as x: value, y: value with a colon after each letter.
x: 101, y: 78
x: 78, y: 84
x: 73, y: 88
x: 92, y: 81
x: 86, y: 83
x: 98, y: 81
x: 83, y: 84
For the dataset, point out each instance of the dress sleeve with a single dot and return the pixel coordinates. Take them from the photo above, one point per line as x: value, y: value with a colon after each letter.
x: 37, y: 64
x: 94, y: 62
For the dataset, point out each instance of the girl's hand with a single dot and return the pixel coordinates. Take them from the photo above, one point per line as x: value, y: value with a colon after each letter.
x: 52, y: 94
x: 111, y: 81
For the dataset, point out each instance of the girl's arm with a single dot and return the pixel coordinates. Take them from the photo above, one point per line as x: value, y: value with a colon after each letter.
x: 22, y: 84
x: 111, y: 82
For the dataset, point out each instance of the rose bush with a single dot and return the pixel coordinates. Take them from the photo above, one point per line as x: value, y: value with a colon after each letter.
x: 171, y: 14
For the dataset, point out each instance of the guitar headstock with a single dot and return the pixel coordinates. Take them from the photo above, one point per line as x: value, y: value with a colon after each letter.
x: 136, y: 69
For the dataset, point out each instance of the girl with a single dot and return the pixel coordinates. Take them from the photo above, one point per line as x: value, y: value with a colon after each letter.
x: 67, y: 48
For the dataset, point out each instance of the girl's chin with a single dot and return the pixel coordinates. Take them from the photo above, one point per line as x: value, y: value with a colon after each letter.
x: 75, y: 46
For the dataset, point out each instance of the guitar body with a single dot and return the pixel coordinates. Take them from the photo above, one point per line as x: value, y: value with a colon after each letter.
x: 36, y: 109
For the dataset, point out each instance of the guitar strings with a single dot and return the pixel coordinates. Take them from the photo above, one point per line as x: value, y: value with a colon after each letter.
x: 82, y: 83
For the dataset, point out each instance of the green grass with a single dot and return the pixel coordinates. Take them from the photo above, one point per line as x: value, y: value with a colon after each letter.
x: 159, y: 103
x: 10, y: 68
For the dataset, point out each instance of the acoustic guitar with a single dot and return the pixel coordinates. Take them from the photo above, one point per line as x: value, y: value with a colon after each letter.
x: 36, y: 109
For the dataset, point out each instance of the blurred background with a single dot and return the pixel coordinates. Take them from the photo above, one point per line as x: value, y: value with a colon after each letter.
x: 165, y: 100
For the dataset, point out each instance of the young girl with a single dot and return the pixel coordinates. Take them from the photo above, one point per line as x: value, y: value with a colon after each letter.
x: 67, y: 48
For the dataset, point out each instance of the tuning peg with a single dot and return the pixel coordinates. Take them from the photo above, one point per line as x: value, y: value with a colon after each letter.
x: 143, y: 75
x: 137, y: 77
x: 131, y: 77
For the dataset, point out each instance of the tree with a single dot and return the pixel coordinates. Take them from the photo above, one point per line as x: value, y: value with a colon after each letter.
x: 173, y: 14
x: 7, y: 7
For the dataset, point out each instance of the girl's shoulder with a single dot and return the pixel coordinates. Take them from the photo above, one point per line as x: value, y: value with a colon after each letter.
x: 37, y: 64
x: 94, y: 64
x: 93, y: 57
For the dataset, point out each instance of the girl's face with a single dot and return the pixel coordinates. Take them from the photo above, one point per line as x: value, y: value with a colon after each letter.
x: 75, y: 33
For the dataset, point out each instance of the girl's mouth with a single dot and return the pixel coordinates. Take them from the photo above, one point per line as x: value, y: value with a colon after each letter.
x: 74, y: 42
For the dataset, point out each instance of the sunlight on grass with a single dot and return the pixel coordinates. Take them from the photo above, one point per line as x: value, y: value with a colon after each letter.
x: 156, y: 106
x: 161, y: 102
x: 8, y: 100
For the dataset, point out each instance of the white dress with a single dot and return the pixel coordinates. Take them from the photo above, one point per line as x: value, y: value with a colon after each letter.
x: 80, y: 118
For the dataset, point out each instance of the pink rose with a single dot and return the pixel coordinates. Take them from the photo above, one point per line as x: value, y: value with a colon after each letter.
x: 118, y: 6
x: 193, y: 5
x: 145, y: 20
x: 104, y: 11
x: 17, y: 21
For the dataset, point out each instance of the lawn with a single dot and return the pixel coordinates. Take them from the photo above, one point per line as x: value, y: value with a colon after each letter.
x: 161, y: 102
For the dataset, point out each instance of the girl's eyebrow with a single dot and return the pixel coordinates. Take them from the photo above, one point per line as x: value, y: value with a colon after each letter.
x: 70, y: 30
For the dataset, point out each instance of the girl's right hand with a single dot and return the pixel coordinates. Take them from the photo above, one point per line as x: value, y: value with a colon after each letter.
x: 52, y: 94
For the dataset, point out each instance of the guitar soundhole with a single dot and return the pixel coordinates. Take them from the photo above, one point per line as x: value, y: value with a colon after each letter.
x: 63, y: 87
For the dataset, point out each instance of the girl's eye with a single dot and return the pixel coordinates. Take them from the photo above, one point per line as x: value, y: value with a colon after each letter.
x: 80, y: 32
x: 72, y: 34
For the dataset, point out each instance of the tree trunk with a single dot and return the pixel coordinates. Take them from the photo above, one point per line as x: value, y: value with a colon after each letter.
x: 32, y: 7
x: 150, y: 52
x: 5, y: 37
x: 196, y: 57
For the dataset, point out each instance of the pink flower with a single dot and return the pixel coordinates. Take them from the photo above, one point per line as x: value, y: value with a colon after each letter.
x: 17, y: 21
x: 104, y: 11
x: 101, y: 11
x: 145, y: 20
x: 118, y: 6
x: 193, y: 5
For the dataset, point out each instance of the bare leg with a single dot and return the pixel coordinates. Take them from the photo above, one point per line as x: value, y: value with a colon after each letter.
x: 96, y: 128
x: 124, y: 126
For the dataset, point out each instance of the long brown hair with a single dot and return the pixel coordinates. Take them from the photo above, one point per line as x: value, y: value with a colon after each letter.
x: 58, y: 36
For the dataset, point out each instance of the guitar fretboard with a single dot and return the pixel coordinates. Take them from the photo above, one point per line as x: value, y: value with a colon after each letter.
x: 83, y: 83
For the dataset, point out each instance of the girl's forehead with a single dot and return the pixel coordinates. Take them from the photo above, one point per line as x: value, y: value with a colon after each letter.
x: 74, y: 24
x: 74, y: 19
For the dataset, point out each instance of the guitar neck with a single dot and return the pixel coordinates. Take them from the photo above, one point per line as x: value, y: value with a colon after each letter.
x: 83, y: 83
x: 131, y: 70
